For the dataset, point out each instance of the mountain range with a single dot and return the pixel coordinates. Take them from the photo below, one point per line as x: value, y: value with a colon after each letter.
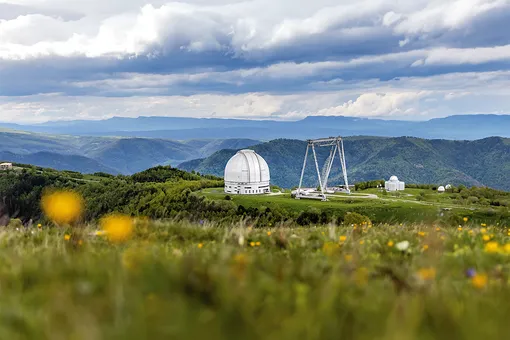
x: 484, y: 162
x: 458, y: 127
x: 106, y: 154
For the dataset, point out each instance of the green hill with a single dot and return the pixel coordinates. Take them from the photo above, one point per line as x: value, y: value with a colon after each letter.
x: 413, y: 160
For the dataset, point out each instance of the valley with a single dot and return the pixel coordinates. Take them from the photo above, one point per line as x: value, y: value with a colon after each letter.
x: 114, y: 155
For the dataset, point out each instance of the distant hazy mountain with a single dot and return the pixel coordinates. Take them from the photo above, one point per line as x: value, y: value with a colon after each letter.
x: 114, y: 155
x: 58, y: 162
x: 413, y: 160
x: 466, y: 127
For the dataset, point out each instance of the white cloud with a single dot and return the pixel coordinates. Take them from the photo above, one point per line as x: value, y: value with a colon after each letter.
x: 458, y: 56
x: 244, y: 29
x: 378, y: 104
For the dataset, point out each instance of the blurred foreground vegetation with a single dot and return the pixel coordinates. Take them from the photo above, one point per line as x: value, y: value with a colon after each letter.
x: 176, y: 280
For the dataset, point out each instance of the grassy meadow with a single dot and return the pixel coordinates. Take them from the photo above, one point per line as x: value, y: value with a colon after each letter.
x: 177, y: 280
x: 404, y: 208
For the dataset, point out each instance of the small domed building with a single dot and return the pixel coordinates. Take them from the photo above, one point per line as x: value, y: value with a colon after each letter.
x: 247, y: 173
x: 441, y: 189
x: 394, y: 184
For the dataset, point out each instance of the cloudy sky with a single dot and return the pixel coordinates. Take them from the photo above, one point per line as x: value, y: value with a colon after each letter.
x: 269, y: 59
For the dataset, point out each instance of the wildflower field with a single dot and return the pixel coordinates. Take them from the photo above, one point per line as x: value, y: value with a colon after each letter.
x: 177, y: 280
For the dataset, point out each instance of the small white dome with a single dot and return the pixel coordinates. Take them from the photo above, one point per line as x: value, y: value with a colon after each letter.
x: 393, y: 179
x: 441, y: 189
x: 246, y: 166
x: 448, y: 186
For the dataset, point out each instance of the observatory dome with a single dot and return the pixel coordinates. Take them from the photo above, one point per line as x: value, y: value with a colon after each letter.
x: 247, y: 173
x: 441, y: 189
x: 394, y: 184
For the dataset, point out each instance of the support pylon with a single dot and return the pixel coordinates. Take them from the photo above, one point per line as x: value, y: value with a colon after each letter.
x: 337, y: 146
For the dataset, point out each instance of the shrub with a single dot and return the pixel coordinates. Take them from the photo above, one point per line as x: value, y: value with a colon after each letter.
x: 15, y: 223
x: 311, y: 216
x: 355, y: 218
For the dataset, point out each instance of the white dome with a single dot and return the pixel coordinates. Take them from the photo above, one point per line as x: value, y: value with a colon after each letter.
x: 441, y: 189
x: 393, y: 179
x: 246, y: 166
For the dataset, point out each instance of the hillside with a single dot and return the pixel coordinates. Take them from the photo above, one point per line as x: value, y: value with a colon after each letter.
x: 117, y: 155
x: 458, y: 127
x: 413, y: 160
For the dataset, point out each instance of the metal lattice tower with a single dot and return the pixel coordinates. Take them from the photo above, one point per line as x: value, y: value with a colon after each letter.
x: 336, y: 146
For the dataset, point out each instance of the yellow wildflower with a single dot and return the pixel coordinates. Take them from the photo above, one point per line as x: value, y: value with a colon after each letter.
x: 425, y: 247
x: 252, y: 244
x: 438, y: 229
x: 361, y: 242
x: 62, y: 207
x: 118, y: 228
x: 257, y: 244
x: 506, y: 248
x: 329, y: 248
x: 421, y: 233
x: 486, y: 238
x: 465, y: 219
x: 483, y: 230
x: 200, y: 245
x: 67, y: 237
x: 39, y: 226
x: 492, y: 247
x: 390, y: 243
x: 342, y: 238
x: 479, y: 280
x: 348, y: 258
x: 268, y: 233
x: 483, y: 225
x: 459, y: 228
x: 427, y: 274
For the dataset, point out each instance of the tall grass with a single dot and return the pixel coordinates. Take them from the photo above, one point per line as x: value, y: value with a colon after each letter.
x: 176, y: 280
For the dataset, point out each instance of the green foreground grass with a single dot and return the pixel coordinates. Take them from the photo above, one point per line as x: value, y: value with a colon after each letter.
x: 175, y: 280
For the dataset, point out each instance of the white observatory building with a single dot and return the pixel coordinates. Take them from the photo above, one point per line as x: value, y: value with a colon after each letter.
x: 247, y: 173
x: 394, y: 184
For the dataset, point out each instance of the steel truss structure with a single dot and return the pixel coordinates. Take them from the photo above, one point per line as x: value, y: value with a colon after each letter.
x: 336, y: 146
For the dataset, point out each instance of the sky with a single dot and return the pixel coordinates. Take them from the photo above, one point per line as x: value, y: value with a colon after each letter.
x: 259, y: 59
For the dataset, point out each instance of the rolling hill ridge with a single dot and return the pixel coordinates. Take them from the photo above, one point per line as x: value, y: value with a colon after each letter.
x: 106, y: 154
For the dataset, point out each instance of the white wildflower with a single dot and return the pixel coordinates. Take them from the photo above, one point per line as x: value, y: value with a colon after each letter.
x: 402, y: 246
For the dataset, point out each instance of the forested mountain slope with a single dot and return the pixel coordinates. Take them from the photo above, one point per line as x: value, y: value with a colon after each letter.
x: 413, y: 160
